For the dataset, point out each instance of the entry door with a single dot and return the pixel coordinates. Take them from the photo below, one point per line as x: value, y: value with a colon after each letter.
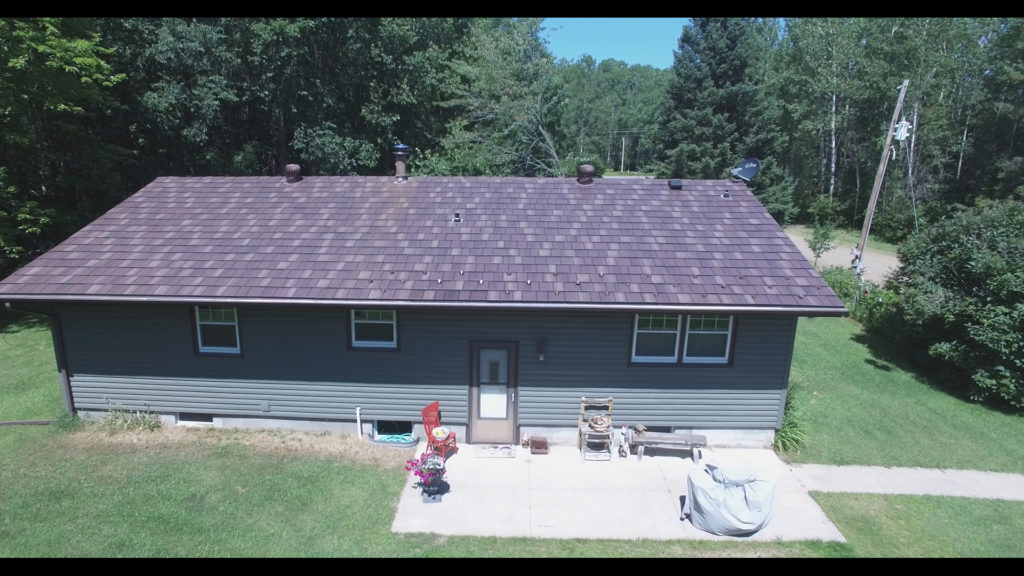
x: 492, y: 392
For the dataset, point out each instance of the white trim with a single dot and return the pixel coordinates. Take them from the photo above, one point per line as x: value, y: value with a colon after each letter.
x: 356, y: 343
x: 655, y: 359
x: 708, y: 359
x: 237, y: 349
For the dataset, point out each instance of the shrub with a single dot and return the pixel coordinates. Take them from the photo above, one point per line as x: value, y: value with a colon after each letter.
x: 961, y: 289
x: 843, y: 282
x: 792, y: 436
x: 876, y: 310
x: 67, y: 422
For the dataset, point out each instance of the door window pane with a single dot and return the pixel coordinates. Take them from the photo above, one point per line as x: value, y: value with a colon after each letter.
x: 493, y: 375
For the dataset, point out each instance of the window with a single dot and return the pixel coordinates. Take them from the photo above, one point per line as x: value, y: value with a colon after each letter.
x: 656, y: 338
x: 374, y: 329
x: 708, y: 339
x: 217, y: 329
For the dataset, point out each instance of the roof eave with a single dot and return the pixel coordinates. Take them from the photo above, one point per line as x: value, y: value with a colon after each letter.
x: 449, y: 304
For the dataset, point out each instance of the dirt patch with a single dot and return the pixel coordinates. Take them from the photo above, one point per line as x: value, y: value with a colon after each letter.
x: 877, y: 265
x: 282, y: 442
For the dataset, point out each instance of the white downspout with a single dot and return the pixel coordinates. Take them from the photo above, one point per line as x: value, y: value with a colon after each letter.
x: 359, y: 423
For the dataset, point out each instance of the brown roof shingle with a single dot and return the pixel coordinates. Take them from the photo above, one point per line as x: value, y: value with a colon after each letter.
x: 371, y: 240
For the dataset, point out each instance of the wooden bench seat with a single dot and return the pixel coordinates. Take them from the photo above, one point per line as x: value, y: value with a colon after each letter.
x: 666, y: 440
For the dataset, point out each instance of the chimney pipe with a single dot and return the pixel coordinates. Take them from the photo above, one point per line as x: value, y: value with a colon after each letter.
x: 292, y: 173
x: 401, y: 155
x: 585, y: 174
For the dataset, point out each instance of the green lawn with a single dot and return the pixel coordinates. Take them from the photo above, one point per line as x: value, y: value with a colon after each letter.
x: 862, y: 407
x: 74, y: 491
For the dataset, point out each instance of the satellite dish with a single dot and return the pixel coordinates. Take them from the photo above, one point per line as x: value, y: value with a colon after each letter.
x: 747, y: 169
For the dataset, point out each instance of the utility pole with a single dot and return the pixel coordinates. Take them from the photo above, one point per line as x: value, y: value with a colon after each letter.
x: 622, y: 160
x: 858, y: 251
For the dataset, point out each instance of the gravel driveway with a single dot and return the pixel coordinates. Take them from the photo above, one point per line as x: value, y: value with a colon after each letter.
x: 876, y: 264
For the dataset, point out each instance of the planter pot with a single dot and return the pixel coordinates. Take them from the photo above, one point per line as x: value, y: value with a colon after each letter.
x: 431, y: 498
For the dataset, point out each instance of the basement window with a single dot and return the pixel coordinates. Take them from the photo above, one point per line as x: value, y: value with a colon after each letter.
x: 391, y: 427
x: 185, y: 418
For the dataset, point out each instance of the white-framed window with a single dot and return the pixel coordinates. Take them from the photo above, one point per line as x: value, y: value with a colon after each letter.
x: 708, y: 338
x: 374, y: 329
x: 217, y: 329
x: 656, y: 338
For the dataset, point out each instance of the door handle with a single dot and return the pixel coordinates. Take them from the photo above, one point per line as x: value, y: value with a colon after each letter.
x: 513, y: 397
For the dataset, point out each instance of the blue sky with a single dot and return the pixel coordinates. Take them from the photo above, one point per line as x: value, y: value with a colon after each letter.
x: 647, y: 41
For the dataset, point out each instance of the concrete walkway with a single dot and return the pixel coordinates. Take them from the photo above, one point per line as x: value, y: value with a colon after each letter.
x: 559, y: 495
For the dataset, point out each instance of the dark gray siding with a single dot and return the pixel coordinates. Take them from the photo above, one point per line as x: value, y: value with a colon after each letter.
x: 295, y: 363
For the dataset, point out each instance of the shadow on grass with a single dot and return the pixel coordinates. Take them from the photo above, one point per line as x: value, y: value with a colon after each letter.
x: 885, y: 367
x: 13, y: 322
x: 887, y: 354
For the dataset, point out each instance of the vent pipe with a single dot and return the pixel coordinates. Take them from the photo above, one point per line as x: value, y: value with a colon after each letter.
x: 292, y: 173
x: 585, y: 174
x: 401, y: 152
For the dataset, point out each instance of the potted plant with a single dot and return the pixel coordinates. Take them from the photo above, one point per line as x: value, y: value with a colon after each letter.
x: 429, y: 471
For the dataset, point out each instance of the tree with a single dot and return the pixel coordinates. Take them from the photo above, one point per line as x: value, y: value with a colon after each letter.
x: 999, y: 143
x: 824, y: 231
x: 509, y: 102
x: 58, y: 165
x: 821, y: 240
x: 610, y: 112
x: 711, y: 91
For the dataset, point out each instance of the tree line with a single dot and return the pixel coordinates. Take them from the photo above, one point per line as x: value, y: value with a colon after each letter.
x: 92, y: 109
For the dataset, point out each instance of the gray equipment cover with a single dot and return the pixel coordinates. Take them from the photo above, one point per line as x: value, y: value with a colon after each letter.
x: 733, y: 501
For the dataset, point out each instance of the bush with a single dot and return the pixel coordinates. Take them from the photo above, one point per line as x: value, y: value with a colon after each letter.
x: 131, y: 421
x: 843, y: 282
x: 961, y: 298
x: 869, y: 304
x: 876, y: 310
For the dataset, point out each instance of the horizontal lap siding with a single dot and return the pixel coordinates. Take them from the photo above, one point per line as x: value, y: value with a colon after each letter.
x: 266, y: 399
x: 139, y: 354
x: 748, y: 394
x: 297, y: 361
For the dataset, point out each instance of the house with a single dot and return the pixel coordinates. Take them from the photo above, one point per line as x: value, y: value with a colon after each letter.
x: 331, y: 302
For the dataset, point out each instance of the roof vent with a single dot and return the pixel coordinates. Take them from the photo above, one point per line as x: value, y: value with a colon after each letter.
x: 292, y: 173
x: 585, y: 174
x: 675, y: 184
x: 726, y: 195
x: 401, y: 152
x: 458, y: 217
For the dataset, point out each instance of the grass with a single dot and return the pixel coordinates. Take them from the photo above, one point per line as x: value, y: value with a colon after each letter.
x: 846, y: 238
x: 865, y: 408
x: 88, y: 492
x: 29, y: 382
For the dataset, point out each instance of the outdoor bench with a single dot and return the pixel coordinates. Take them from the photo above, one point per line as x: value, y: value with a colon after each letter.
x: 666, y: 440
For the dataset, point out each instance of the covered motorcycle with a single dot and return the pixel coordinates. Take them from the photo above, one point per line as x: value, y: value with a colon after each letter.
x: 734, y: 501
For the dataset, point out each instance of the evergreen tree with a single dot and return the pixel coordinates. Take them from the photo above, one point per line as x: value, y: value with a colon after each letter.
x: 708, y: 97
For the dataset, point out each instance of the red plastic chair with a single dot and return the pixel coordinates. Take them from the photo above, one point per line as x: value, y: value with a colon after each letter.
x: 431, y: 420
